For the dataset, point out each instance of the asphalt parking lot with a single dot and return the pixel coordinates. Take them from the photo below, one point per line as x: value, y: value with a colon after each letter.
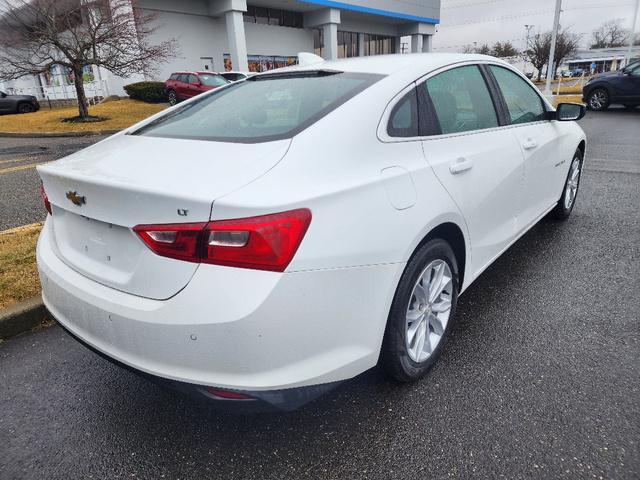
x: 20, y: 202
x: 540, y: 378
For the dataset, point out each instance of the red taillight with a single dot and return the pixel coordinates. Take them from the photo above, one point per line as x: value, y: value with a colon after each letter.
x: 45, y: 199
x: 181, y: 241
x: 267, y: 242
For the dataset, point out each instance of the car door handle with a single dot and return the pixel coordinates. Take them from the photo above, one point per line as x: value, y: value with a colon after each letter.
x: 529, y: 144
x: 461, y: 165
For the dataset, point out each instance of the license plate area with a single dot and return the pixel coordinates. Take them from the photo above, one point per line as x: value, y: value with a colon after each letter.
x: 101, y: 250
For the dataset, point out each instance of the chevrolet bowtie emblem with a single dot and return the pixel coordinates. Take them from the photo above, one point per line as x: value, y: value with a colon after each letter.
x: 75, y: 198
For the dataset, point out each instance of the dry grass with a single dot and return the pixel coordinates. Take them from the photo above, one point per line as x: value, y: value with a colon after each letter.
x: 569, y: 89
x: 567, y: 99
x: 18, y: 273
x: 120, y: 113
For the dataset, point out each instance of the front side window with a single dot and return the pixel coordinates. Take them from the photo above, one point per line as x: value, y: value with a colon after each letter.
x: 262, y: 108
x: 192, y: 79
x: 524, y: 105
x: 211, y: 80
x: 461, y: 100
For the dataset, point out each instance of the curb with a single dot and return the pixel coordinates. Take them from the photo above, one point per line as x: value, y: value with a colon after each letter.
x: 21, y: 317
x: 57, y: 134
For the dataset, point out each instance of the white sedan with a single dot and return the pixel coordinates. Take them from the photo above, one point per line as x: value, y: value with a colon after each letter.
x: 264, y: 241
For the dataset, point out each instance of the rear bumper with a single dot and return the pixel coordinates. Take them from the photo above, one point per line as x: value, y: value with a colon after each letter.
x: 232, y: 328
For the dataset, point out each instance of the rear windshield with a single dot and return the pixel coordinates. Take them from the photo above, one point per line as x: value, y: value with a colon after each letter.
x: 262, y: 108
x: 212, y: 80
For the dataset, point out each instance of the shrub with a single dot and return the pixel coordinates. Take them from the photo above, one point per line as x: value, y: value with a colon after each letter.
x: 150, y: 92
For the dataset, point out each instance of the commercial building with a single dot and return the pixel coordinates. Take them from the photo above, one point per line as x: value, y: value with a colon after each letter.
x: 604, y: 59
x: 257, y: 35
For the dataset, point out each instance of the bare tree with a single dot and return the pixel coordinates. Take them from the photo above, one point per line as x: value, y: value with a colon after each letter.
x: 538, y: 51
x: 504, y: 49
x: 539, y: 47
x: 610, y: 34
x: 567, y: 44
x: 36, y: 35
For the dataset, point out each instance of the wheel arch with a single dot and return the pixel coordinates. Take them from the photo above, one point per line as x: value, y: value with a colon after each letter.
x: 582, y: 147
x: 454, y: 236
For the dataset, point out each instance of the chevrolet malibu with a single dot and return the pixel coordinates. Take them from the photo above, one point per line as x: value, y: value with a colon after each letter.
x: 262, y: 242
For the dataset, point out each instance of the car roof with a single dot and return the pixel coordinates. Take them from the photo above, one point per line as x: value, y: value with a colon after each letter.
x: 408, y: 63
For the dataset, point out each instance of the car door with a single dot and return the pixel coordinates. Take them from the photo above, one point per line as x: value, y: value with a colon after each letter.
x: 474, y: 157
x: 193, y: 85
x: 628, y: 85
x: 5, y: 103
x: 540, y: 141
x: 181, y: 86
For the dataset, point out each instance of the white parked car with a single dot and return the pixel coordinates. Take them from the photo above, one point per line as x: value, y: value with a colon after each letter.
x: 235, y: 76
x: 258, y: 252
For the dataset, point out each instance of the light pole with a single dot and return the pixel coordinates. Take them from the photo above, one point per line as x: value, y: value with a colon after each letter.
x: 526, y: 46
x: 632, y: 37
x: 552, y: 52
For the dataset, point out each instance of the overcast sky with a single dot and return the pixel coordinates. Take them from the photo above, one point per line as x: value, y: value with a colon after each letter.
x: 486, y: 21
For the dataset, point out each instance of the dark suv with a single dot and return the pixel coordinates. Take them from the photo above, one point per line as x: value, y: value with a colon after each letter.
x: 183, y: 85
x: 18, y: 103
x: 621, y: 86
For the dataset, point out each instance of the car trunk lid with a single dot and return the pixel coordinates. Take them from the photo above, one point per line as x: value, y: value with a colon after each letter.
x: 99, y: 194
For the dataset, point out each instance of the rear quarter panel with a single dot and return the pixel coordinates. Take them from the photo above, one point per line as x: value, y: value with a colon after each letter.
x: 335, y: 168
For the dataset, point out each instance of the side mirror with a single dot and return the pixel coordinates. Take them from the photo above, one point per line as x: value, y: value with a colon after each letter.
x: 570, y: 112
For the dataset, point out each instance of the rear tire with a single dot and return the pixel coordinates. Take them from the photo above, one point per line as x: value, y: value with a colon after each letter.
x: 567, y: 200
x: 173, y: 97
x: 26, y: 108
x: 598, y: 100
x: 420, y: 314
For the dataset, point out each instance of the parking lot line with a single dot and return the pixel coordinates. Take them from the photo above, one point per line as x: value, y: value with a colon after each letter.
x: 20, y: 168
x: 13, y: 160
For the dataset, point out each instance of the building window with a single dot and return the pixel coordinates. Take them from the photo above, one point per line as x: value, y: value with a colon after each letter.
x: 318, y: 42
x: 262, y: 63
x: 273, y: 16
x: 378, y: 44
x: 347, y: 44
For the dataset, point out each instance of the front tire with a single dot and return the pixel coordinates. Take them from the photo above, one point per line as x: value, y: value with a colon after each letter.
x: 567, y: 200
x: 598, y: 100
x: 422, y: 312
x: 26, y: 108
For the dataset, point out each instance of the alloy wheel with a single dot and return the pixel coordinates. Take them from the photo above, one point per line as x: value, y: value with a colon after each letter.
x: 429, y: 310
x: 598, y: 100
x: 571, y: 190
x: 172, y: 98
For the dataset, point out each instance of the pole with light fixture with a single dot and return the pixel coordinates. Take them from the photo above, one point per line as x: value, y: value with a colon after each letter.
x: 552, y: 52
x: 632, y: 36
x: 526, y: 46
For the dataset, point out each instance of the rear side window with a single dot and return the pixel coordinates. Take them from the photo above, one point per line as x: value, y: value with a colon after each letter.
x: 174, y: 76
x: 524, y: 105
x: 263, y: 108
x: 461, y: 100
x: 403, y: 121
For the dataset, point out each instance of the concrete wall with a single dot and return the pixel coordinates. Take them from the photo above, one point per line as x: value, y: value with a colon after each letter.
x: 271, y: 40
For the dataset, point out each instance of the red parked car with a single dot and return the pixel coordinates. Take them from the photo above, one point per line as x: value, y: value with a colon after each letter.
x: 183, y: 85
